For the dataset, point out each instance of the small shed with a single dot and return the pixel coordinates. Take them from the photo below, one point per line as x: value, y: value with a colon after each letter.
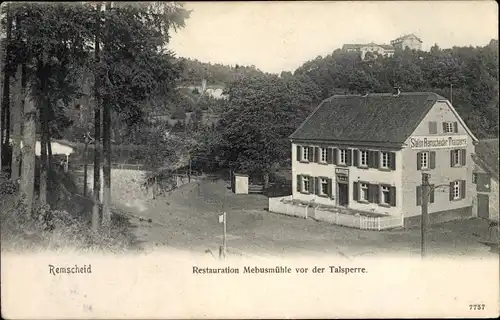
x: 240, y: 183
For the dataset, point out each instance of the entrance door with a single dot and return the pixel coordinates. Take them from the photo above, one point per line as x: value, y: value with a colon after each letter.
x: 343, y: 195
x: 483, y: 208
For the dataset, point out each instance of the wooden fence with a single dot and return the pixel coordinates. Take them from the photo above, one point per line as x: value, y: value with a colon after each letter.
x: 332, y: 215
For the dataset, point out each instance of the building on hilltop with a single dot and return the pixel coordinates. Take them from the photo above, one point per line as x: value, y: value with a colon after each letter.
x: 409, y: 41
x: 367, y: 154
x: 373, y: 48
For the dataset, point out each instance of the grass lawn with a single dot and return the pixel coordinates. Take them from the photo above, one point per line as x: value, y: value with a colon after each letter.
x: 187, y: 219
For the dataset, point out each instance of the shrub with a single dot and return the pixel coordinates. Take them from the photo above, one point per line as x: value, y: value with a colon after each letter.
x: 49, y: 229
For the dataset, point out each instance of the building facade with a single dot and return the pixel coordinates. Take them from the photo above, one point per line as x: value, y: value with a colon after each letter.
x: 409, y: 41
x: 368, y: 153
x: 485, y: 202
x: 370, y: 49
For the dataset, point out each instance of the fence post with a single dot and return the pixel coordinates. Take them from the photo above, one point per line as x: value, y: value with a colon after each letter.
x: 378, y: 222
x: 359, y: 219
x: 336, y: 217
x: 305, y: 208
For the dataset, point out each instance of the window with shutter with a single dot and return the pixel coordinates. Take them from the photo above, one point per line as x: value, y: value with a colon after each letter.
x: 298, y: 155
x: 335, y: 155
x: 349, y: 157
x: 317, y: 154
x: 384, y: 160
x: 424, y: 160
x: 432, y: 127
x: 448, y: 127
x: 355, y: 191
x: 463, y: 189
x: 456, y: 190
x: 310, y: 157
x: 432, y: 159
x: 419, y: 195
x: 451, y: 190
x: 419, y: 160
x: 343, y: 156
x: 392, y: 196
x: 463, y: 157
x: 363, y: 158
x: 456, y: 157
x: 373, y: 193
x: 305, y: 153
x: 385, y: 197
x: 355, y: 157
x: 330, y: 188
x: 299, y: 183
x: 392, y: 160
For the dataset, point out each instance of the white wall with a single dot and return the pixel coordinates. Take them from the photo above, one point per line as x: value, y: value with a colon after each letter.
x: 370, y: 175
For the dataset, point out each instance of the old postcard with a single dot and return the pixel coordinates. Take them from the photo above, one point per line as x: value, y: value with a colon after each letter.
x: 231, y: 160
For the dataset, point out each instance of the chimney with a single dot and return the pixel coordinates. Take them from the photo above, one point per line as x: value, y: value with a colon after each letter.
x: 396, y: 91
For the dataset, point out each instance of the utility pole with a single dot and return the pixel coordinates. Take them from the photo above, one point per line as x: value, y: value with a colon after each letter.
x: 425, y: 200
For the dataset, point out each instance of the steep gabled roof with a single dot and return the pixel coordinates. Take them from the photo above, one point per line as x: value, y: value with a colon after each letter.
x: 378, y: 118
x: 406, y: 36
x: 487, y: 156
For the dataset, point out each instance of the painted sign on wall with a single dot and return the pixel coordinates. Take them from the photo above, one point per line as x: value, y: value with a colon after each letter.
x: 442, y: 142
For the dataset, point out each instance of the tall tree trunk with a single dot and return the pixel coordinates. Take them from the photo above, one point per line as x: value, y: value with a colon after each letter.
x: 28, y: 154
x: 43, y: 151
x: 97, y: 127
x: 5, y: 110
x: 106, y: 135
x: 2, y: 64
x: 17, y: 119
x: 107, y: 163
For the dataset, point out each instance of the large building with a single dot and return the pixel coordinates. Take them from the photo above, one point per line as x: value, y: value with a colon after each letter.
x: 372, y: 49
x: 409, y: 41
x: 368, y: 153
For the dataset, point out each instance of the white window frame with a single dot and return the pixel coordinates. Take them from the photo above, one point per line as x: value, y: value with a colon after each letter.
x: 305, y: 154
x: 306, y: 182
x: 343, y: 154
x: 323, y: 186
x: 456, y: 157
x: 323, y: 153
x: 424, y: 160
x: 365, y: 152
x: 456, y: 190
x: 449, y: 127
x: 385, y: 195
x: 363, y: 191
x: 384, y: 156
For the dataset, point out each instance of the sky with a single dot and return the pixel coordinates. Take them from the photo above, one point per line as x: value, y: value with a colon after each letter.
x: 279, y: 36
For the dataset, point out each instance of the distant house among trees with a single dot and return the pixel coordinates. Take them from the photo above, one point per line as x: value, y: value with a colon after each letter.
x: 372, y: 50
x: 409, y: 41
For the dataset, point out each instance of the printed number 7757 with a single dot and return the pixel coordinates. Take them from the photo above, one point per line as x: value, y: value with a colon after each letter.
x: 476, y: 306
